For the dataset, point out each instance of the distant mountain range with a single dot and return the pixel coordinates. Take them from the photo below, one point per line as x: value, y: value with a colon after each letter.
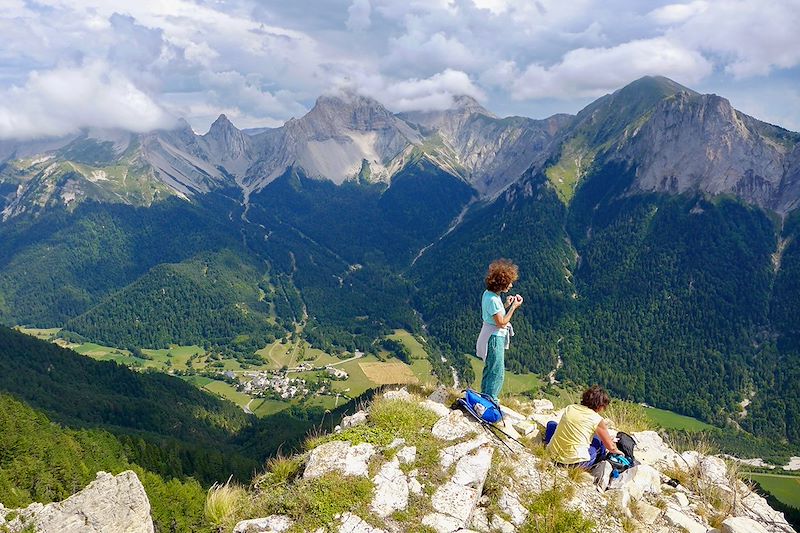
x: 656, y: 233
x: 678, y: 139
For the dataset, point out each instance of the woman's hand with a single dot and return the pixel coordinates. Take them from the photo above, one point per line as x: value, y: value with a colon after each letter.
x: 517, y: 301
x: 510, y: 299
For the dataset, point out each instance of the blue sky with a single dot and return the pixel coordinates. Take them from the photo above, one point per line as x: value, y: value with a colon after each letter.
x: 67, y: 64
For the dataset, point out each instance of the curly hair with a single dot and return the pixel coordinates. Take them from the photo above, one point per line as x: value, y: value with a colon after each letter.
x: 502, y: 273
x: 595, y: 398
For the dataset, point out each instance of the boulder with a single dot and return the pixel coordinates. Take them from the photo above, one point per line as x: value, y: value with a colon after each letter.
x: 355, y: 419
x: 640, y: 480
x: 471, y: 470
x: 454, y: 426
x: 354, y: 524
x: 438, y: 408
x: 456, y: 501
x: 647, y: 513
x: 509, y: 503
x: 414, y: 486
x: 400, y: 394
x: 442, y: 523
x: 682, y: 500
x: 680, y: 520
x: 741, y: 524
x: 526, y: 428
x: 451, y: 454
x: 652, y: 450
x: 109, y: 504
x: 391, y: 490
x: 407, y: 455
x: 270, y: 524
x: 339, y: 456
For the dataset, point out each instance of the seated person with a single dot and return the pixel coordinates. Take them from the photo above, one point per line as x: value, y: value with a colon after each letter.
x: 581, y: 438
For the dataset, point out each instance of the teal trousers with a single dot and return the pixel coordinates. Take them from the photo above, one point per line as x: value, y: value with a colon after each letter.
x: 494, y: 370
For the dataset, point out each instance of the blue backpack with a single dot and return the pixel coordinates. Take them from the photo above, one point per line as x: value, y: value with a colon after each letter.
x: 482, y: 406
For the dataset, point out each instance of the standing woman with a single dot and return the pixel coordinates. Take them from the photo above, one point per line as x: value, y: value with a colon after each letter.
x: 494, y: 336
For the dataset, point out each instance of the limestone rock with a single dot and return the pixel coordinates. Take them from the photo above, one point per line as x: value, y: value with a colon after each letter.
x: 741, y: 524
x: 526, y: 428
x: 438, y: 408
x: 450, y: 455
x: 640, y: 480
x: 455, y: 501
x: 442, y: 523
x: 414, y: 486
x: 339, y: 456
x: 651, y: 450
x: 509, y: 503
x: 400, y: 394
x: 407, y: 455
x: 540, y: 406
x: 680, y: 520
x: 355, y: 419
x: 441, y: 396
x: 454, y: 426
x: 109, y: 504
x: 353, y: 524
x: 471, y: 470
x: 647, y: 513
x: 270, y: 524
x: 391, y: 490
x: 681, y: 499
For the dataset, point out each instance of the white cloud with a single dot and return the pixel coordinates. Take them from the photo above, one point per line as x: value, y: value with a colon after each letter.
x: 747, y: 37
x: 63, y: 100
x: 596, y: 71
x: 267, y: 61
x: 358, y: 15
x: 675, y: 13
x: 433, y: 93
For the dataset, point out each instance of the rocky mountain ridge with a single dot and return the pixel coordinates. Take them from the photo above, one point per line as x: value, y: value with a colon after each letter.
x: 677, y: 139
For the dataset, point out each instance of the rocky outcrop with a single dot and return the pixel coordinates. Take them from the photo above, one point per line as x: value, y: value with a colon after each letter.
x: 109, y: 504
x: 701, y: 143
x: 477, y: 484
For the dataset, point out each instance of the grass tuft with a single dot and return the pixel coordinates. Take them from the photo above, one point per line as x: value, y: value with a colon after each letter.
x: 628, y: 416
x: 223, y: 503
x: 548, y: 513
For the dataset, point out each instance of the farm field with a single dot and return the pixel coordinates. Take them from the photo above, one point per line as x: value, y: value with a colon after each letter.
x: 413, y: 345
x: 220, y: 388
x: 513, y: 384
x: 45, y: 334
x: 669, y: 420
x: 389, y: 372
x: 784, y: 488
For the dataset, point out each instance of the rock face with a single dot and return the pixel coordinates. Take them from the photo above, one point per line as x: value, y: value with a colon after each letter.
x: 109, y: 504
x: 739, y: 155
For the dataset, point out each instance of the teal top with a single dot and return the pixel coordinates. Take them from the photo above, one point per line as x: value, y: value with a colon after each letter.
x: 491, y: 304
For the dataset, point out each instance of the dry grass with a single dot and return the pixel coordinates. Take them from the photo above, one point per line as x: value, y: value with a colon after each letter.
x: 628, y: 416
x: 223, y: 503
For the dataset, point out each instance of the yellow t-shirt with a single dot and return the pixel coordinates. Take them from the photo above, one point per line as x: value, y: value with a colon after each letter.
x: 570, y: 442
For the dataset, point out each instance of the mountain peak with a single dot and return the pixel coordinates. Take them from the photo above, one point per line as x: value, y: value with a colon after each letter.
x: 221, y: 124
x: 655, y: 87
x: 470, y: 105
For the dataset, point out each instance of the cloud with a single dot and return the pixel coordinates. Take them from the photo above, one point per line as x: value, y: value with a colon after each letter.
x: 746, y: 37
x: 596, y: 71
x: 358, y: 15
x: 63, y: 100
x: 433, y: 93
x: 265, y: 62
x: 676, y: 13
